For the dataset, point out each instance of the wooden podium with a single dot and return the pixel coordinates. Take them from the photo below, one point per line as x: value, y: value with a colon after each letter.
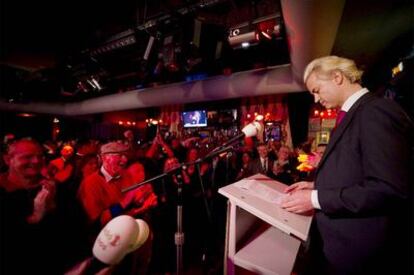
x: 260, y: 236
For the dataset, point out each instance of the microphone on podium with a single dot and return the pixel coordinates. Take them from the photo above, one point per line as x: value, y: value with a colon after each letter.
x: 250, y: 130
x: 119, y: 237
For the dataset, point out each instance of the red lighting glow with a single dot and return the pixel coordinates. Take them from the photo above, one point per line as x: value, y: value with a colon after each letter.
x: 325, y: 114
x: 266, y: 28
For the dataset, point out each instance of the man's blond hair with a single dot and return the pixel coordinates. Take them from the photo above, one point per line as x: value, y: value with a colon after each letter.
x: 328, y: 64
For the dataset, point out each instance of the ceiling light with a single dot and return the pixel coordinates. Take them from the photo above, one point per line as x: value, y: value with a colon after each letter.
x: 25, y: 115
x: 242, y: 36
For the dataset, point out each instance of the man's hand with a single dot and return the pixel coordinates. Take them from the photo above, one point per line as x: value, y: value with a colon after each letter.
x: 43, y: 202
x: 137, y: 198
x: 298, y: 199
x: 300, y: 185
x: 150, y: 202
x: 298, y: 202
x: 128, y: 198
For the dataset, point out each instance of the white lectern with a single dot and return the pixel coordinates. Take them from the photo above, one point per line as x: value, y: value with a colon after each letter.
x: 260, y: 236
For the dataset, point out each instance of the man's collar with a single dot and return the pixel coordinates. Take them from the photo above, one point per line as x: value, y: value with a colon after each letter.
x: 107, y: 176
x: 352, y: 99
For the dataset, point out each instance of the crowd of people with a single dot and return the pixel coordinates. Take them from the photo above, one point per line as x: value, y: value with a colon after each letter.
x: 75, y: 188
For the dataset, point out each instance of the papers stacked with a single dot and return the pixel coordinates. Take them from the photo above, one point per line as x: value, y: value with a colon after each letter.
x: 258, y: 189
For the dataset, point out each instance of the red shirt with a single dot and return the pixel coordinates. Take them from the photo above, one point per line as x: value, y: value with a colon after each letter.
x: 97, y: 196
x: 63, y: 169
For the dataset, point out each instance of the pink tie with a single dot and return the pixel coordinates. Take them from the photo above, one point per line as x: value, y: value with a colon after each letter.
x: 339, y: 117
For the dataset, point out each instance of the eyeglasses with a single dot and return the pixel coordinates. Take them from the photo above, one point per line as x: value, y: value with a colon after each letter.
x: 116, y: 154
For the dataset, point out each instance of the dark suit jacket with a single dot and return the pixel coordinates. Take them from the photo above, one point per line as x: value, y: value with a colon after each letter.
x: 364, y: 189
x: 288, y: 174
x: 255, y: 166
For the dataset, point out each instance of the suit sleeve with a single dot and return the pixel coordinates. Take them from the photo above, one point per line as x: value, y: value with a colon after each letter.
x: 385, y: 154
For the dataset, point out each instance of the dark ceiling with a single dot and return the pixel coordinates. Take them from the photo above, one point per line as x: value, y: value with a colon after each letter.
x: 55, y: 51
x: 47, y: 49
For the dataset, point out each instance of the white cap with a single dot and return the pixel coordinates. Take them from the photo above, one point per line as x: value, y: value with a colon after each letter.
x: 120, y: 236
x: 143, y: 234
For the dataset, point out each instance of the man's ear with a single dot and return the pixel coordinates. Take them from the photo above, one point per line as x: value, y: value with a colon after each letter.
x: 6, y: 159
x: 338, y: 77
x: 99, y: 159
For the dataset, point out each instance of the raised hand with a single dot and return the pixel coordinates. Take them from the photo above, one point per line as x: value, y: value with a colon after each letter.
x: 43, y: 202
x: 137, y: 198
x: 150, y: 202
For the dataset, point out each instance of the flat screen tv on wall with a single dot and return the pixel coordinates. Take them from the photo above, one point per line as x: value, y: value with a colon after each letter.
x: 196, y: 118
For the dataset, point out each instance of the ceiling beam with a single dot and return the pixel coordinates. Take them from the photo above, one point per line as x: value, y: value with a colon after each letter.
x: 244, y: 84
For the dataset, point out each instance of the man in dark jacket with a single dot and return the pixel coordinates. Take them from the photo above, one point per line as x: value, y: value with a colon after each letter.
x: 361, y: 194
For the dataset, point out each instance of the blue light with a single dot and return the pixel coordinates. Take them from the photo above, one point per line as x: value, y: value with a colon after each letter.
x: 194, y: 77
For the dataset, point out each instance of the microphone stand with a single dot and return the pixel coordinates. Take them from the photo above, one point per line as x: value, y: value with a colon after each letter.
x: 179, y: 234
x: 225, y: 147
x: 215, y: 152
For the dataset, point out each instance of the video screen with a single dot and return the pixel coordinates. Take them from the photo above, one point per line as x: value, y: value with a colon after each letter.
x: 273, y: 132
x: 197, y: 118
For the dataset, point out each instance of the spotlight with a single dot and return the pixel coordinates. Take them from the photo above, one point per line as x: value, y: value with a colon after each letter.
x: 82, y: 87
x: 268, y: 29
x: 149, y: 47
x: 259, y: 118
x: 245, y: 45
x: 169, y: 54
x: 96, y: 83
x: 242, y: 36
x: 250, y: 33
x: 93, y: 82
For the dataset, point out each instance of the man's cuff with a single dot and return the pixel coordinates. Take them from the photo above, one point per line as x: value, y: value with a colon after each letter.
x: 315, y: 200
x: 116, y: 210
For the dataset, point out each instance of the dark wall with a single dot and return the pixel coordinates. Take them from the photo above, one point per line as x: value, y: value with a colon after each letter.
x: 38, y: 127
x: 299, y: 105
